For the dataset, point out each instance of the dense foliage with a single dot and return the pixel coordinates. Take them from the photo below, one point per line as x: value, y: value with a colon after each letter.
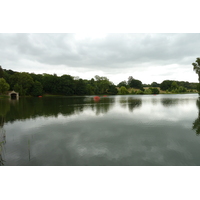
x: 196, y: 68
x: 39, y: 84
x: 171, y: 85
x: 134, y: 83
x: 3, y: 86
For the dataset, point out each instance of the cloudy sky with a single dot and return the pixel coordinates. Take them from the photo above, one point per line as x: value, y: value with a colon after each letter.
x: 147, y: 57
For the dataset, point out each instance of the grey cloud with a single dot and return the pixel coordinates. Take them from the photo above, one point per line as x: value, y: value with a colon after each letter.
x: 112, y: 53
x: 114, y: 49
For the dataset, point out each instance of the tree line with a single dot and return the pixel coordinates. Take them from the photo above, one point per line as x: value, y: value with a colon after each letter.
x: 39, y: 84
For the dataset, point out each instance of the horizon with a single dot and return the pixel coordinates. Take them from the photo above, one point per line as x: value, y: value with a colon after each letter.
x: 97, y: 74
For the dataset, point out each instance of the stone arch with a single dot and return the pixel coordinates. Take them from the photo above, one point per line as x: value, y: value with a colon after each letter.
x: 14, y: 95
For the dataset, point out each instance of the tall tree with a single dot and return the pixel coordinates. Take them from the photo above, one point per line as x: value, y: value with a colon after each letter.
x: 154, y: 84
x: 4, y: 86
x: 123, y: 83
x: 37, y: 89
x: 136, y: 84
x: 21, y: 82
x: 66, y: 85
x: 174, y: 85
x: 196, y: 68
x: 1, y: 72
x: 103, y: 84
x: 166, y: 85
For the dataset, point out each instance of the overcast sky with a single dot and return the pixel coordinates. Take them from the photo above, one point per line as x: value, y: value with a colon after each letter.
x: 147, y: 57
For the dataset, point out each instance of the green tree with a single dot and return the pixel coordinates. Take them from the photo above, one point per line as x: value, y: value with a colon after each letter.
x: 148, y: 91
x: 123, y: 83
x: 181, y: 89
x: 166, y: 85
x: 130, y: 78
x: 37, y: 89
x: 4, y: 86
x: 51, y: 83
x: 123, y: 90
x: 1, y: 72
x: 102, y: 84
x: 18, y: 88
x: 89, y: 89
x: 112, y: 89
x: 134, y: 83
x: 139, y: 92
x: 80, y: 87
x: 154, y: 90
x: 196, y: 68
x: 174, y: 85
x: 66, y: 85
x: 23, y: 81
x: 154, y: 84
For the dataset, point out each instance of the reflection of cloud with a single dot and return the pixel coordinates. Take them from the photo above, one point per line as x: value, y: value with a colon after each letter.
x: 87, y: 142
x: 151, y: 135
x: 196, y: 123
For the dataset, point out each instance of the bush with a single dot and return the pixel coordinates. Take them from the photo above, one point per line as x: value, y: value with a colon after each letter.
x: 148, y: 91
x: 123, y: 90
x: 139, y: 92
x: 181, y: 89
x: 154, y: 90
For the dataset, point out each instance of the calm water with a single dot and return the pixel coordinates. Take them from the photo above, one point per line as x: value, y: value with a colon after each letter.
x: 142, y: 130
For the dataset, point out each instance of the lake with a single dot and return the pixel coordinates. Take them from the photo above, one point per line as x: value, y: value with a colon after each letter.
x: 132, y: 130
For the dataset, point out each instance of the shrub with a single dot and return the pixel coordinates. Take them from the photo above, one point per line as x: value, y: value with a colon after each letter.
x: 148, y: 91
x: 154, y: 90
x: 139, y: 92
x: 123, y: 90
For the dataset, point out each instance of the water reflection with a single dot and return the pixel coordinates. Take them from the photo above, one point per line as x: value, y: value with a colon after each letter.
x: 155, y: 101
x: 103, y: 105
x: 2, y: 140
x: 31, y: 108
x: 196, y: 123
x: 131, y: 102
x: 80, y: 131
x: 168, y: 102
x: 134, y: 103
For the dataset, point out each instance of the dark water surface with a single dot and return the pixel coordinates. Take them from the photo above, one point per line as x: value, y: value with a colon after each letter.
x: 144, y: 130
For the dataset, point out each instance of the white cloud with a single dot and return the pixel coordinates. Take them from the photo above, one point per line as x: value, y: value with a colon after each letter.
x: 147, y: 57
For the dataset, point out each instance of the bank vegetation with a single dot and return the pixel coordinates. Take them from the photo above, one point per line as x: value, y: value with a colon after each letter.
x: 31, y: 84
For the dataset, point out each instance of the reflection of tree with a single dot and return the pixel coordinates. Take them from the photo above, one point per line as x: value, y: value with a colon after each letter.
x: 196, y: 123
x: 2, y: 142
x: 154, y: 101
x: 27, y: 108
x: 123, y: 102
x: 4, y: 108
x: 169, y: 102
x: 131, y: 102
x: 134, y: 103
x: 103, y: 106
